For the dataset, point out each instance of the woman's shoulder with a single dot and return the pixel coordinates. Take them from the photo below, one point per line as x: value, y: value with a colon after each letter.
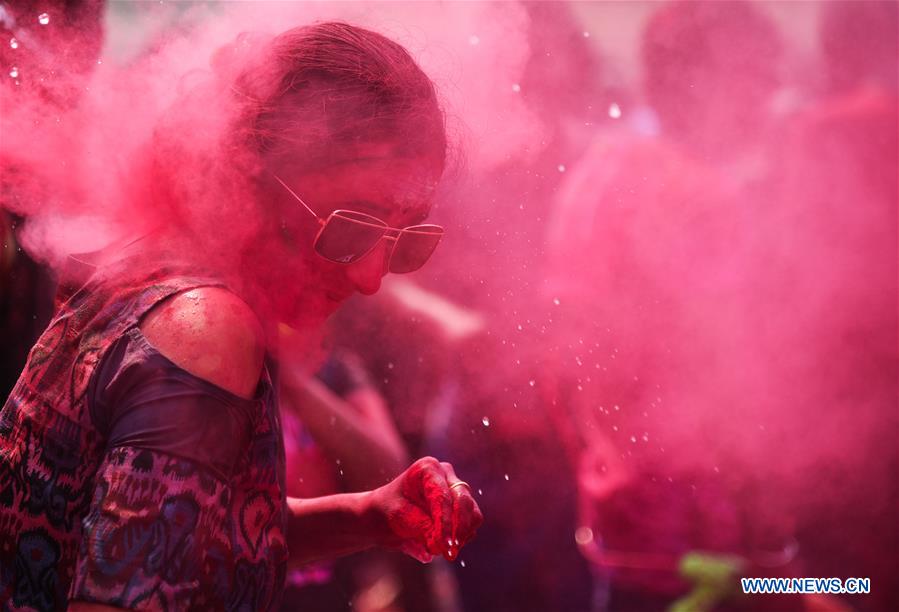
x: 211, y: 333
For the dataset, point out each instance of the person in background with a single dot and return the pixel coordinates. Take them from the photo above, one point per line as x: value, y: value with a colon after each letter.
x: 713, y: 73
x: 645, y: 259
x: 833, y: 262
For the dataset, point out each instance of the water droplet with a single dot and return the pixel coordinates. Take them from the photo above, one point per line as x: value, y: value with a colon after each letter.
x: 583, y: 535
x: 556, y: 301
x: 561, y: 167
x: 43, y: 19
x: 13, y: 43
x: 634, y: 439
x: 614, y: 111
x: 473, y: 40
x: 480, y: 491
x: 14, y: 72
x: 486, y: 421
x: 617, y: 407
x: 645, y: 437
x: 532, y: 382
x: 516, y: 87
x: 462, y: 563
x: 390, y: 366
x: 614, y: 427
x: 586, y: 34
x: 506, y: 476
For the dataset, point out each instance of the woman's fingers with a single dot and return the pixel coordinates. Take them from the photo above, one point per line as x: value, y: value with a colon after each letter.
x: 428, y: 486
x: 467, y: 515
x: 448, y: 515
x: 413, y: 526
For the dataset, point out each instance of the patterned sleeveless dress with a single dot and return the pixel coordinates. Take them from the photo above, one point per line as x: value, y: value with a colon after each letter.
x: 105, y: 495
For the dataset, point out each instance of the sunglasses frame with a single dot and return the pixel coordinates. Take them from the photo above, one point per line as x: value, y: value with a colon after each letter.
x: 392, y: 234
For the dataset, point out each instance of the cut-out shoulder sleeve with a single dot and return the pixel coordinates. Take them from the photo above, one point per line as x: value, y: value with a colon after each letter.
x: 140, y: 398
x: 212, y: 334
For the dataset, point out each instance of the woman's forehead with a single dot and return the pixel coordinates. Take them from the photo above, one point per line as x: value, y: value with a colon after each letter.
x: 400, y: 190
x: 329, y: 155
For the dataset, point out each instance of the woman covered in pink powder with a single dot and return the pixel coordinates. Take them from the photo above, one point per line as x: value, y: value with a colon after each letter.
x: 141, y: 456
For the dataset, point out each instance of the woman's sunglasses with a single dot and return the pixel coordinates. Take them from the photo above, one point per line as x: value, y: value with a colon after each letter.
x: 347, y: 236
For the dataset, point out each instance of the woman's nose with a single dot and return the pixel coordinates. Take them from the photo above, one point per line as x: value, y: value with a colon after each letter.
x: 366, y: 274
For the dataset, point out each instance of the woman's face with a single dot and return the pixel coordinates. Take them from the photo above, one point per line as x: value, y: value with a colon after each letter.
x: 371, y: 180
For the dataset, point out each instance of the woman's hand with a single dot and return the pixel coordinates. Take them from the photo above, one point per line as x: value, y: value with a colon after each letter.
x: 425, y: 511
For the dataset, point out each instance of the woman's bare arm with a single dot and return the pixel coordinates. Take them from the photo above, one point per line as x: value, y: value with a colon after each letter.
x: 420, y: 513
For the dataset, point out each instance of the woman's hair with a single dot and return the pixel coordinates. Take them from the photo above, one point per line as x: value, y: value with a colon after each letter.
x: 311, y: 92
x: 332, y: 84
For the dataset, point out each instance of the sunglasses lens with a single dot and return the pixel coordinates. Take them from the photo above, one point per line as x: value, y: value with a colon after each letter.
x: 347, y: 236
x: 414, y: 247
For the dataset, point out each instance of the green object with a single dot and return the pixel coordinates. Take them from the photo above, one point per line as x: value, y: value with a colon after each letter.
x: 714, y: 579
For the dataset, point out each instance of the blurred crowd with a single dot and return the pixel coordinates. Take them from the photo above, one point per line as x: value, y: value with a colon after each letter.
x: 663, y: 348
